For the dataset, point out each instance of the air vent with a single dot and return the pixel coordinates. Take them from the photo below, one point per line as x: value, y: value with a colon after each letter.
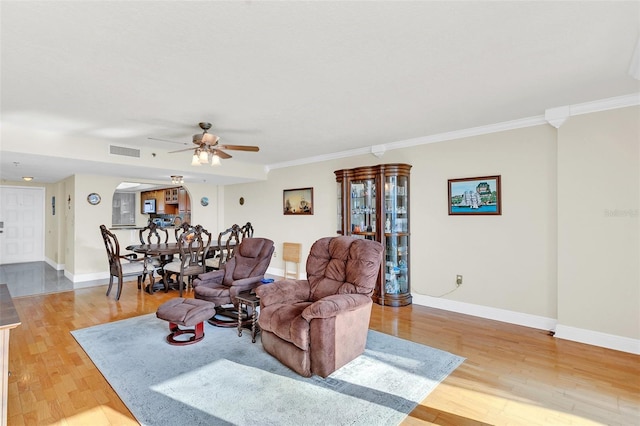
x: 122, y: 150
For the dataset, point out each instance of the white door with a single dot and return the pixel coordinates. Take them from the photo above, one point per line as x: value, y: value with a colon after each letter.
x: 21, y: 224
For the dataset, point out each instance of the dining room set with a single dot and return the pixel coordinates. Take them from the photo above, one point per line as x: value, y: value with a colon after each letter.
x: 177, y: 263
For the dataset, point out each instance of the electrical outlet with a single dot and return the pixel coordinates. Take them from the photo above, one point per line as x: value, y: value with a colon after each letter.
x: 274, y: 254
x: 459, y: 279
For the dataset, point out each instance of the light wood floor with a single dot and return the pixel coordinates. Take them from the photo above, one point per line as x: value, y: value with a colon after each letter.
x: 512, y: 375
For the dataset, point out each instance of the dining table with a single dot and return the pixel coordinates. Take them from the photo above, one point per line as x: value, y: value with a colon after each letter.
x: 164, y: 251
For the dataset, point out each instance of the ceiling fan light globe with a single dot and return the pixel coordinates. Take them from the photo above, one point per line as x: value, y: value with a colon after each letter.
x: 215, y: 160
x: 203, y: 157
x: 195, y: 161
x: 209, y: 139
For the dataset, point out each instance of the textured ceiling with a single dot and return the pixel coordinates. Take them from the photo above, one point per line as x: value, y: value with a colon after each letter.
x: 298, y: 79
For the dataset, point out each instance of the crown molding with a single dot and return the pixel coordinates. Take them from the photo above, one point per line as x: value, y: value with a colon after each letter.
x: 555, y: 116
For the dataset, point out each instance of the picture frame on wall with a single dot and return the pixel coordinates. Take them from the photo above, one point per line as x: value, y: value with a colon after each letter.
x: 297, y: 201
x: 475, y: 196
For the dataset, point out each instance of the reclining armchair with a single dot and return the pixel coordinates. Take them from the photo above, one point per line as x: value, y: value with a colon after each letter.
x: 317, y: 325
x: 242, y: 272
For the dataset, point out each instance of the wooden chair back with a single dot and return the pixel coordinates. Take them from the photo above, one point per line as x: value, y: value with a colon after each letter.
x: 153, y: 234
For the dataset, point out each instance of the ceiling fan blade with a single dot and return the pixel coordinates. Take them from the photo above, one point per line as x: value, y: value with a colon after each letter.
x: 222, y: 154
x: 240, y: 147
x: 182, y: 150
x: 167, y: 140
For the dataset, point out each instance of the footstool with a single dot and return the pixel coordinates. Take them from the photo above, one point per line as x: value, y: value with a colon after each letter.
x: 188, y: 313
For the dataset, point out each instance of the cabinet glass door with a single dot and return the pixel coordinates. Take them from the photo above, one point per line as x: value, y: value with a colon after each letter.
x: 396, y: 231
x: 363, y: 208
x: 396, y: 264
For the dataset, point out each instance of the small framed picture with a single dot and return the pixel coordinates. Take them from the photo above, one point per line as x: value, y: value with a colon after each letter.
x: 475, y: 196
x: 297, y: 201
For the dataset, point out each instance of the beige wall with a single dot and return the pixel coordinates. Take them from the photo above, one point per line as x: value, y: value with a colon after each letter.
x: 598, y: 222
x: 507, y: 261
x: 89, y: 252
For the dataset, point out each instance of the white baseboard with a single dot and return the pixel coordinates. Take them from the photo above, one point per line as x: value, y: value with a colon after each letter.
x: 54, y: 265
x: 79, y: 278
x: 589, y: 337
x: 596, y: 338
x: 87, y: 284
x: 278, y: 272
x: 511, y: 317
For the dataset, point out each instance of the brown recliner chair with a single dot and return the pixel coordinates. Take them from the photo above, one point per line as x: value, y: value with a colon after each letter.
x: 317, y: 325
x: 242, y: 272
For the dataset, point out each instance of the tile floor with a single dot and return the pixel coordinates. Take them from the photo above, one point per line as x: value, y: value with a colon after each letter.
x: 30, y: 278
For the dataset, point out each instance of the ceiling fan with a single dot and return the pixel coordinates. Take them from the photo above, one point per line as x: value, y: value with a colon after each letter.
x: 208, y: 148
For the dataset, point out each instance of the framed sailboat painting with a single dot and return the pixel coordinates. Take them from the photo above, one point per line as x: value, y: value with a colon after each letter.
x: 475, y: 196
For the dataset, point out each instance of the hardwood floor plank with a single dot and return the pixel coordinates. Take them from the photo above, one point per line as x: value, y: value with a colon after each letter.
x: 511, y: 375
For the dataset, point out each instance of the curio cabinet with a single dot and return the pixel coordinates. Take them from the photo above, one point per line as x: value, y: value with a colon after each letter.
x: 373, y: 203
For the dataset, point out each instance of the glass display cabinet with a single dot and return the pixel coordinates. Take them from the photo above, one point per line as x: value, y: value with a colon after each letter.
x: 373, y: 203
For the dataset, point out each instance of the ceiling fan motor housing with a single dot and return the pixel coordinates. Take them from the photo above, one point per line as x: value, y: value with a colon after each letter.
x: 206, y: 138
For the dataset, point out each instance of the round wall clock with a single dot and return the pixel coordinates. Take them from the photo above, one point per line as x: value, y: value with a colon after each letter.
x: 204, y: 201
x: 93, y: 198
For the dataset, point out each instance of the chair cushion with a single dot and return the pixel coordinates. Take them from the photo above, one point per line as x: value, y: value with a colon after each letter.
x: 286, y: 322
x: 173, y: 266
x: 132, y: 268
x: 250, y: 247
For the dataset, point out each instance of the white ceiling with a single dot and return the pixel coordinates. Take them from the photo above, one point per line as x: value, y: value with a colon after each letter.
x: 299, y: 79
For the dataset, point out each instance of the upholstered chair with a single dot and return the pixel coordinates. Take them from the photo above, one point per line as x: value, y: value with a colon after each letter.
x: 317, y: 325
x: 154, y: 234
x: 243, y: 272
x: 123, y: 265
x: 193, y: 248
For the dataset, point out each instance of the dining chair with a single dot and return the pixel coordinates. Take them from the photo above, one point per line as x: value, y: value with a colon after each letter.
x: 181, y: 229
x: 246, y: 231
x: 154, y: 234
x: 121, y: 266
x: 228, y: 240
x: 193, y: 248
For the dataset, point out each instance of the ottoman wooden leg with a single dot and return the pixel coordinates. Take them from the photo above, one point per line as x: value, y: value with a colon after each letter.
x: 197, y: 332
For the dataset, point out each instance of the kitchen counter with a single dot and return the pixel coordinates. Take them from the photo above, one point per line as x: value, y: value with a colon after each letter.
x: 134, y: 228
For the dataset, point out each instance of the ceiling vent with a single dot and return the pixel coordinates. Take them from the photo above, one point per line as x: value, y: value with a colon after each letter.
x: 122, y: 150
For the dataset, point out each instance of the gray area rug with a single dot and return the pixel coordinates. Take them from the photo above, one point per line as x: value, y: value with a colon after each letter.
x: 227, y: 380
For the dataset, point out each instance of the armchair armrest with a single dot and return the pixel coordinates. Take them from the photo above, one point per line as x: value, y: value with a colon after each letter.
x: 244, y: 284
x: 213, y: 277
x: 333, y: 305
x: 284, y: 291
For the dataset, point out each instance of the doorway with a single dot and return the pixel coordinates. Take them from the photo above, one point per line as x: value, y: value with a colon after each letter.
x: 21, y: 224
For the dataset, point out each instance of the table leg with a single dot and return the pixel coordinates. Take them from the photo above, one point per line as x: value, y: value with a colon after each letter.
x: 253, y: 325
x: 239, y: 319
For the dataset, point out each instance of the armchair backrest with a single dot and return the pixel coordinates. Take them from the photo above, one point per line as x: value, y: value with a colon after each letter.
x: 344, y: 264
x: 153, y: 234
x: 251, y: 259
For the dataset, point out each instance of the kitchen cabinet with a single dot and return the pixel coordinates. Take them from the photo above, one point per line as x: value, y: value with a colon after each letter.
x: 373, y: 203
x: 171, y: 195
